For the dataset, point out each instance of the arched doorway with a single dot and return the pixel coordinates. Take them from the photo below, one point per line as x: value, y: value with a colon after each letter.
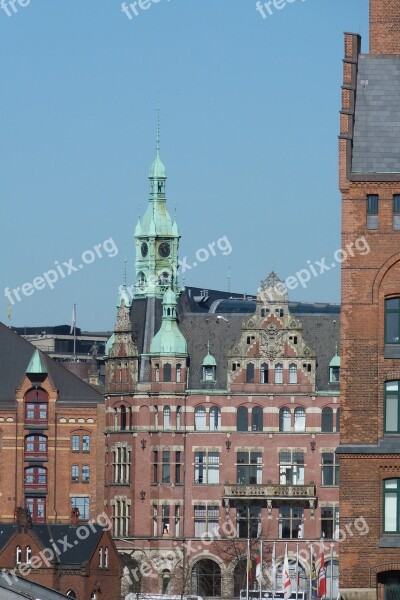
x: 206, y: 578
x: 302, y: 578
x: 391, y: 584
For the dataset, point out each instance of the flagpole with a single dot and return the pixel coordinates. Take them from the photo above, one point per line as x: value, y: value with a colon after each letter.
x: 311, y: 567
x: 261, y: 571
x: 74, y: 332
x: 331, y: 593
x: 247, y: 568
x: 297, y: 571
x: 273, y: 565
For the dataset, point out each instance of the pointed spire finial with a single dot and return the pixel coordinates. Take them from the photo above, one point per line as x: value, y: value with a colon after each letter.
x: 125, y: 261
x: 336, y: 349
x: 208, y: 347
x: 158, y: 125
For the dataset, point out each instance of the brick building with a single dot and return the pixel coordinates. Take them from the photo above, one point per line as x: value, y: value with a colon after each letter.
x: 370, y: 351
x: 220, y: 410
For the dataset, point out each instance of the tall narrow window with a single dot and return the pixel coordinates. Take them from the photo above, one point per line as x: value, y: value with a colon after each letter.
x: 121, y: 517
x: 167, y: 372
x: 249, y: 468
x: 250, y: 373
x: 257, y: 419
x: 178, y: 466
x: 284, y: 419
x: 75, y: 473
x: 36, y: 406
x: 330, y: 469
x: 165, y: 519
x: 278, y: 373
x: 292, y: 373
x: 396, y: 211
x: 178, y: 417
x: 215, y: 418
x: 206, y: 519
x: 391, y: 492
x: 329, y: 522
x: 86, y: 443
x: 155, y: 466
x: 123, y: 418
x: 28, y: 555
x: 242, y: 416
x: 121, y: 464
x: 166, y: 467
x: 106, y: 558
x: 167, y: 417
x: 338, y: 420
x: 264, y: 373
x: 327, y: 419
x: 299, y: 419
x: 100, y: 557
x: 177, y: 520
x: 291, y: 524
x: 157, y: 372
x: 392, y: 404
x: 200, y: 418
x: 178, y: 373
x: 372, y: 211
x: 392, y: 321
x: 18, y: 555
x: 85, y: 474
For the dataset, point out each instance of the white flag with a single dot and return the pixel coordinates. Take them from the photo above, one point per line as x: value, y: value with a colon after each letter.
x: 286, y: 581
x: 273, y: 567
x: 73, y: 322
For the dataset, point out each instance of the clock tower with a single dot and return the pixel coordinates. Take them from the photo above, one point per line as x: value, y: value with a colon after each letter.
x: 156, y: 238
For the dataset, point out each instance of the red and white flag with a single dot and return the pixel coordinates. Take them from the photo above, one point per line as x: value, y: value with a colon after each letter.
x: 286, y: 581
x: 322, y: 579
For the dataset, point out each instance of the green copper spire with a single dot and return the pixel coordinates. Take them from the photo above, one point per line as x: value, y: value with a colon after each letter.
x: 169, y: 340
x: 36, y: 365
x: 209, y: 361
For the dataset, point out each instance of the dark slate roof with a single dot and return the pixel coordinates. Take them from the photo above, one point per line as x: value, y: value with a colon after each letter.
x: 321, y: 324
x: 15, y: 354
x: 376, y: 147
x: 81, y: 551
x: 22, y: 588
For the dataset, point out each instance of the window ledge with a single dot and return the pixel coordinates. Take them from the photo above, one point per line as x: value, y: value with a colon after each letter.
x: 392, y: 351
x: 389, y: 541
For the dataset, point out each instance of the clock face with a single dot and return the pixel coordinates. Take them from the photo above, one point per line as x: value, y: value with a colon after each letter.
x: 164, y: 249
x: 144, y: 249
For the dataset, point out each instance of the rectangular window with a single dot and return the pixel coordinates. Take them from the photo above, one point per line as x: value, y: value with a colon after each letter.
x: 177, y: 520
x: 121, y: 516
x: 206, y: 467
x: 121, y: 464
x: 392, y: 321
x: 165, y: 519
x: 372, y: 211
x: 291, y: 468
x: 291, y: 522
x: 155, y: 466
x: 85, y: 474
x: 396, y: 211
x: 82, y: 503
x: 249, y: 468
x: 330, y: 469
x: 166, y: 467
x: 392, y: 398
x: 74, y: 473
x: 248, y: 520
x: 329, y: 522
x: 178, y: 467
x: 86, y: 443
x: 206, y: 520
x: 75, y: 443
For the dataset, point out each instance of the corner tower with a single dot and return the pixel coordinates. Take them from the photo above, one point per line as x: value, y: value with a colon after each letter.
x: 156, y: 237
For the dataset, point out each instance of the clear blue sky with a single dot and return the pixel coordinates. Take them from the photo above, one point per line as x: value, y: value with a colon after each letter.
x: 250, y: 119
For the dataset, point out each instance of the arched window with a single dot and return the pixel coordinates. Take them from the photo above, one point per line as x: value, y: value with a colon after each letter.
x: 115, y: 419
x: 257, y: 419
x: 178, y: 373
x: 36, y: 406
x: 166, y: 580
x: 264, y: 373
x: 278, y: 373
x: 106, y: 558
x: 327, y: 419
x: 299, y: 419
x: 28, y: 555
x: 71, y: 594
x: 157, y: 372
x: 35, y: 477
x: 338, y: 419
x: 242, y: 419
x: 215, y: 418
x: 284, y: 419
x: 123, y: 418
x: 250, y: 373
x: 141, y: 280
x: 101, y: 557
x: 167, y: 372
x: 167, y: 417
x: 156, y: 418
x: 18, y: 555
x: 178, y: 417
x: 206, y: 578
x: 200, y: 418
x: 292, y: 373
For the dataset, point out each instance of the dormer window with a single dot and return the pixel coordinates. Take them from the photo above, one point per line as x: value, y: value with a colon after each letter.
x: 209, y: 366
x: 208, y: 373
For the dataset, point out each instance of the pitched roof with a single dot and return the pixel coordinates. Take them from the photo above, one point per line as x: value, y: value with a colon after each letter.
x: 376, y: 147
x: 22, y: 588
x: 15, y: 356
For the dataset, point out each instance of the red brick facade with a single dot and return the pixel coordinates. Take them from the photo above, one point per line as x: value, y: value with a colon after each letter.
x: 384, y: 27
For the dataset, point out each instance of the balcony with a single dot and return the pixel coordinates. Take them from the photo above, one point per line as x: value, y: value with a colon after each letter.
x: 271, y: 491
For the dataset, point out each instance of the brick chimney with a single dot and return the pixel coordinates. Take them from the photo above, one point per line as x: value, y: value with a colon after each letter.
x: 384, y: 27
